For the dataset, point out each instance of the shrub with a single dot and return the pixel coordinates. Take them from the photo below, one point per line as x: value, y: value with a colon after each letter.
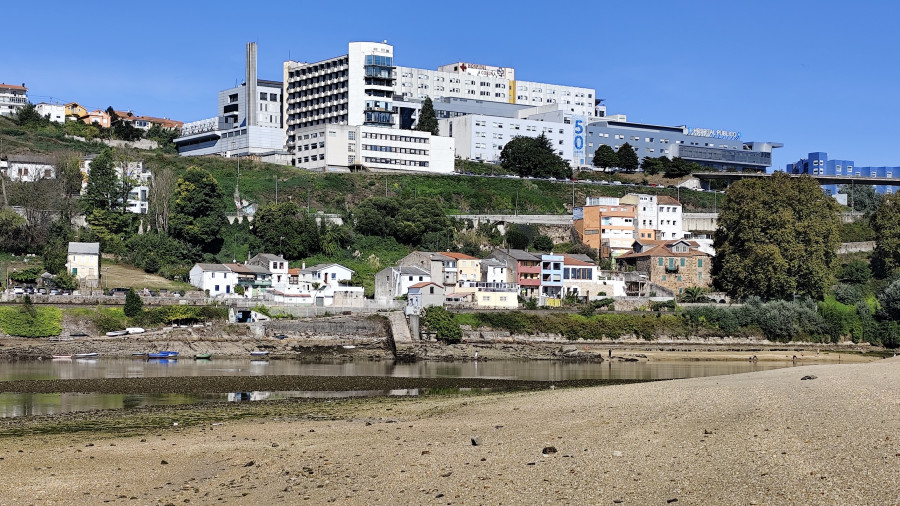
x: 847, y: 294
x: 30, y: 321
x: 441, y: 322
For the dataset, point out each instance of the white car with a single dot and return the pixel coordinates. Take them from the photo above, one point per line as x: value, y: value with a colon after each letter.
x: 18, y: 290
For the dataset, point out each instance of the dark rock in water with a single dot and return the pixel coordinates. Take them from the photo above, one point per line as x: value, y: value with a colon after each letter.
x: 548, y: 450
x: 809, y: 377
x: 476, y: 440
x: 568, y: 349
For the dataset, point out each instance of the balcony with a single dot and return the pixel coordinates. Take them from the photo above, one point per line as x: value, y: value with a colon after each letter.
x: 671, y: 269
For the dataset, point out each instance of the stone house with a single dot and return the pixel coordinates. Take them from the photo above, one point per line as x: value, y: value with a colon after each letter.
x: 674, y: 264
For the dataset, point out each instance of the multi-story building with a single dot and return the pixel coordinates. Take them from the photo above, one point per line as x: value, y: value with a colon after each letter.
x: 482, y: 137
x: 673, y: 264
x: 75, y: 111
x: 523, y: 269
x: 392, y: 282
x: 717, y: 149
x: 451, y: 107
x: 605, y: 225
x: 12, y: 98
x: 83, y: 262
x: 490, y: 83
x: 468, y: 268
x: 818, y: 164
x: 249, y: 121
x: 552, y: 275
x: 656, y: 217
x: 336, y: 147
x: 54, y: 112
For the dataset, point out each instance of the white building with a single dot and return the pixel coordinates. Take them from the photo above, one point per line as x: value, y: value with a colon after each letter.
x: 392, y: 282
x: 12, y: 98
x: 360, y: 88
x: 218, y: 279
x: 249, y: 120
x: 480, y: 137
x: 337, y: 148
x: 660, y: 213
x: 487, y: 82
x: 54, y: 112
x: 28, y: 168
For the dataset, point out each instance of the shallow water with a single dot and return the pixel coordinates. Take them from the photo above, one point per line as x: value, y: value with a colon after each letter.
x: 27, y: 404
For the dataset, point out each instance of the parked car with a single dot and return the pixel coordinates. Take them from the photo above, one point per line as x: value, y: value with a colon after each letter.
x: 42, y: 291
x: 18, y: 290
x: 54, y: 291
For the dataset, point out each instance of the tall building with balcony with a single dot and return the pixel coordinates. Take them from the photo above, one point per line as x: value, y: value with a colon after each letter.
x: 12, y: 98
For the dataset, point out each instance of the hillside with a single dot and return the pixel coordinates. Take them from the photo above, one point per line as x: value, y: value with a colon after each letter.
x: 341, y: 192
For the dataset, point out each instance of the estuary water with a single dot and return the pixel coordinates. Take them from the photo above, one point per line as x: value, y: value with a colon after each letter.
x: 28, y: 404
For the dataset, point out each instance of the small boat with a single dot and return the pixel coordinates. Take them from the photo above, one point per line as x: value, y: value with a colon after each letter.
x: 203, y: 356
x: 86, y: 355
x: 161, y: 354
x: 61, y: 357
x: 259, y: 353
x: 135, y: 330
x: 170, y: 353
x: 78, y: 334
x: 138, y: 354
x: 348, y: 346
x: 116, y: 333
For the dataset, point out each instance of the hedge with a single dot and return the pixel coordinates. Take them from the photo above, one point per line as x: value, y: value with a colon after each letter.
x: 39, y: 322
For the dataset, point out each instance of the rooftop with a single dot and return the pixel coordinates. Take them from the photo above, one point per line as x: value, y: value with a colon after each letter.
x: 84, y: 248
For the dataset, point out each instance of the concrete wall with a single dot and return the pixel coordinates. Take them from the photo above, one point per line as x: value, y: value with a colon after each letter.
x: 855, y: 247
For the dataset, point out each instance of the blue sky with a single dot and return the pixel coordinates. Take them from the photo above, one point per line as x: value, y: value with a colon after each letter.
x: 816, y: 76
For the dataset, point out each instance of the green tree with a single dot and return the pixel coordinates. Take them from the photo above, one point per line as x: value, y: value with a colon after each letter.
x: 374, y: 216
x: 679, y: 167
x: 543, y: 243
x: 286, y: 229
x: 861, y: 197
x: 441, y: 322
x: 427, y: 118
x: 886, y: 224
x: 106, y: 189
x: 198, y: 210
x: 652, y: 166
x: 533, y: 156
x: 27, y: 115
x: 628, y: 159
x: 777, y: 238
x: 856, y: 272
x: 133, y: 304
x: 890, y: 301
x: 66, y: 281
x: 516, y: 238
x: 605, y: 158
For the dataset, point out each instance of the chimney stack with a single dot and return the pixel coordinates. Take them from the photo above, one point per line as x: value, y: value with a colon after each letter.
x: 252, y: 97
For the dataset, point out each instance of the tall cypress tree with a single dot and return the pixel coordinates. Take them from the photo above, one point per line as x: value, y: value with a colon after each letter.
x: 427, y: 118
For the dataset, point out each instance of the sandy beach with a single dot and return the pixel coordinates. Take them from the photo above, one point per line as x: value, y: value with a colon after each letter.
x: 760, y: 438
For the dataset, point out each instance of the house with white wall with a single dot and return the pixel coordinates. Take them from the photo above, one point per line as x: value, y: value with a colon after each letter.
x: 83, y: 262
x: 217, y: 279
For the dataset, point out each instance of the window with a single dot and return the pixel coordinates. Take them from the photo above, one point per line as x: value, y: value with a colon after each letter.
x: 263, y: 96
x: 699, y: 262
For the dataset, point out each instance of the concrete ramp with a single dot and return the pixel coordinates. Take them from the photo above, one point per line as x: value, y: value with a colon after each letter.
x: 399, y: 328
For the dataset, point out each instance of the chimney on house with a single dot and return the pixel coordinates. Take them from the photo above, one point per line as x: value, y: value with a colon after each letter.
x: 303, y: 265
x: 252, y: 97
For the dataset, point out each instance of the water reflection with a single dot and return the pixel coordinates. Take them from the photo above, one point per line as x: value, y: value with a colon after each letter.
x: 540, y: 370
x: 19, y: 404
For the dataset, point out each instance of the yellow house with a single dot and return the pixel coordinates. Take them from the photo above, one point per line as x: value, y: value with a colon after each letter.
x: 73, y: 110
x: 504, y: 300
x: 468, y: 268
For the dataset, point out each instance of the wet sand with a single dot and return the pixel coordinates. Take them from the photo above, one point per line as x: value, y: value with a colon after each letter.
x: 759, y: 438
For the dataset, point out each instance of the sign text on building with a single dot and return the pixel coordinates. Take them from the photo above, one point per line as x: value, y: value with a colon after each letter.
x: 714, y: 134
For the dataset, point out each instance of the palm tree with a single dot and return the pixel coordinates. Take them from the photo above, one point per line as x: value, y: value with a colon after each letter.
x: 693, y: 294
